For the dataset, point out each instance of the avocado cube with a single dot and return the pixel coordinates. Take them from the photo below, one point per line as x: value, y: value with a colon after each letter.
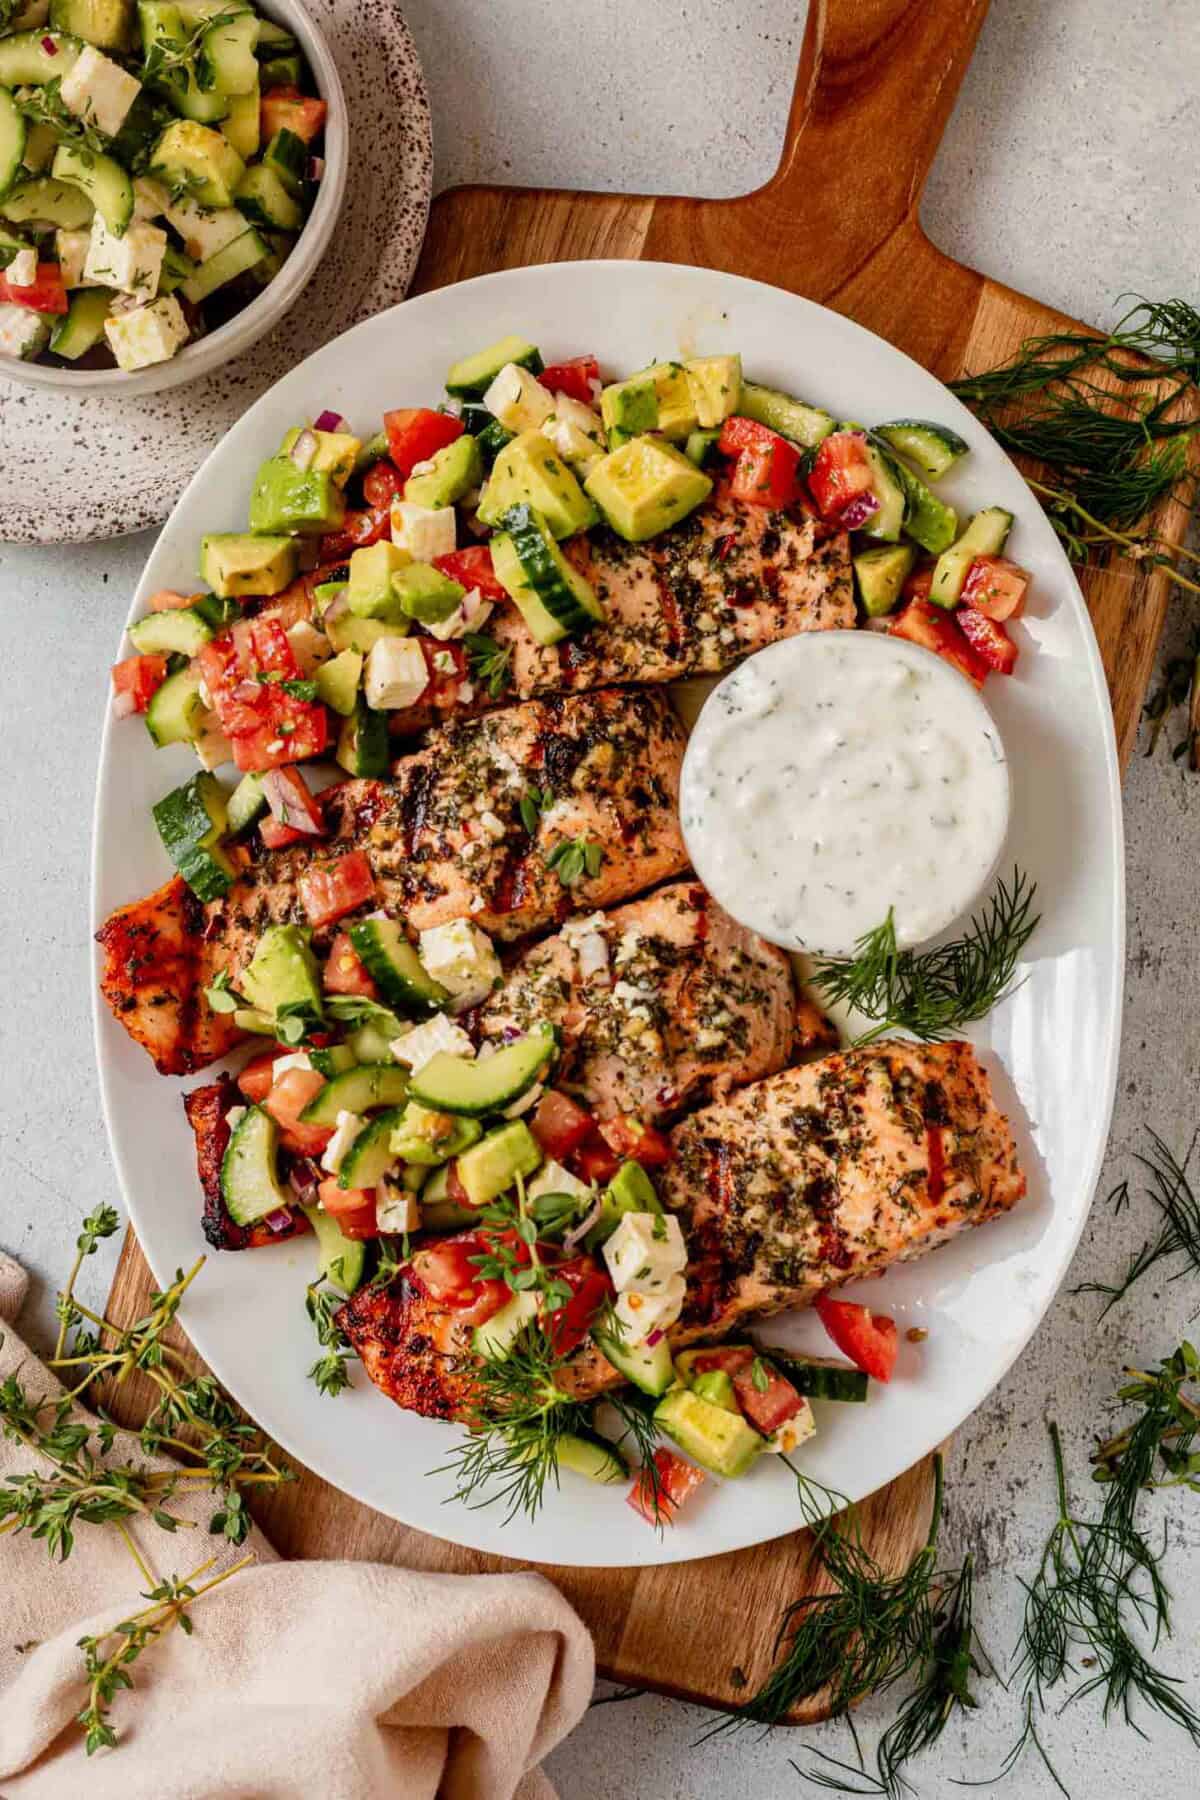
x: 105, y: 23
x: 282, y: 975
x: 881, y: 574
x: 628, y: 407
x: 286, y: 498
x: 369, y: 591
x: 427, y: 1138
x: 494, y: 1163
x: 718, y: 1440
x: 630, y: 1190
x: 716, y: 1386
x: 337, y: 451
x: 716, y: 384
x: 346, y: 631
x: 457, y: 468
x: 645, y: 486
x: 530, y: 471
x: 426, y: 594
x: 337, y: 681
x: 199, y: 160
x: 677, y: 414
x: 235, y: 564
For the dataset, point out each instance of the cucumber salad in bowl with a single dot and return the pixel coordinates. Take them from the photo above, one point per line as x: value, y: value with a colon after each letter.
x: 560, y: 1126
x: 158, y: 162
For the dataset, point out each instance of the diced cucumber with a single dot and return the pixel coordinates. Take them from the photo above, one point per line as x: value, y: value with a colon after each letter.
x: 886, y: 523
x: 393, y: 964
x: 495, y: 1162
x: 287, y: 157
x: 176, y: 269
x: 806, y: 425
x: 495, y: 1339
x: 985, y: 535
x: 370, y: 1156
x: 273, y: 39
x: 701, y: 447
x: 181, y: 630
x: 444, y: 1215
x: 45, y: 201
x: 40, y: 145
x: 362, y: 747
x: 648, y: 1367
x: 591, y: 1457
x: 340, y: 1259
x: 247, y: 802
x: 279, y: 71
x: 105, y: 23
x: 82, y: 326
x: 933, y: 448
x: 881, y: 573
x: 372, y: 1042
x: 458, y: 1084
x: 358, y: 1091
x: 176, y: 712
x: 191, y: 822
x: 250, y: 1185
x: 235, y: 259
x: 242, y: 125
x: 101, y: 178
x: 928, y: 520
x: 12, y: 141
x: 821, y: 1377
x: 29, y: 58
x: 264, y: 200
x: 227, y: 49
x: 473, y: 375
x: 553, y: 598
x: 488, y: 432
x: 332, y: 1059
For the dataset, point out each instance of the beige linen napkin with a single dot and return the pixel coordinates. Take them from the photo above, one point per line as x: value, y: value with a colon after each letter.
x: 343, y: 1681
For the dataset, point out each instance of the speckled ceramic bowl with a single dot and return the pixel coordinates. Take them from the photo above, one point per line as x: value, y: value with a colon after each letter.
x: 255, y: 320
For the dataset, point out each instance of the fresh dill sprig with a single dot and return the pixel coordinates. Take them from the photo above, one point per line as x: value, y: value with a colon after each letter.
x: 930, y: 993
x: 1178, y: 1235
x: 636, y: 1413
x: 489, y: 663
x: 1165, y: 1432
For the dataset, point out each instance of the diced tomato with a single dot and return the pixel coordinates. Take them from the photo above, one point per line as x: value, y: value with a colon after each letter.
x: 344, y: 972
x: 353, y: 1208
x: 266, y: 725
x: 330, y: 890
x: 47, y: 294
x: 677, y: 1481
x: 136, y: 681
x: 841, y: 479
x: 922, y: 622
x: 629, y: 1137
x: 167, y: 600
x: 277, y: 837
x: 415, y: 433
x: 258, y: 1077
x: 729, y: 1358
x: 293, y: 803
x: 569, y: 1324
x: 574, y: 377
x: 286, y: 1101
x: 868, y: 1339
x: 769, y: 1407
x: 455, y: 1190
x: 917, y: 585
x: 996, y: 587
x: 472, y: 568
x: 559, y: 1125
x: 766, y: 477
x: 594, y: 1161
x: 445, y: 1269
x: 297, y: 730
x: 989, y: 640
x: 447, y: 666
x: 382, y: 484
x: 287, y: 109
x: 358, y: 530
x: 738, y: 434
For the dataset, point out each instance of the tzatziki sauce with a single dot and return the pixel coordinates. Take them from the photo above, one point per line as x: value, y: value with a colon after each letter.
x: 837, y: 774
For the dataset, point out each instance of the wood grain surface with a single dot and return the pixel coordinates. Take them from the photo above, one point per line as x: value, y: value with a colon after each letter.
x: 837, y: 223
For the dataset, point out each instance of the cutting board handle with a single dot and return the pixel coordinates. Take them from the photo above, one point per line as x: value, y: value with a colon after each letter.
x: 875, y: 87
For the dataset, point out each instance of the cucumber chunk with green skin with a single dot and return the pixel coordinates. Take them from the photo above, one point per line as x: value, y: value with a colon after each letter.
x: 933, y: 449
x: 358, y: 1091
x: 648, y: 1367
x: 250, y: 1185
x: 488, y: 432
x: 441, y: 1216
x: 191, y: 822
x: 30, y: 58
x: 101, y: 178
x: 82, y: 327
x: 237, y: 258
x: 496, y: 1338
x: 370, y: 1156
x: 372, y: 1042
x: 985, y: 535
x: 247, y: 802
x: 363, y: 746
x: 340, y: 1259
x: 396, y: 969
x: 889, y: 490
x: 287, y: 157
x: 881, y: 573
x: 262, y: 197
x: 181, y: 631
x: 331, y: 1059
x: 821, y: 1378
x: 227, y: 50
x: 630, y: 1190
x: 273, y: 39
x: 928, y: 521
x: 591, y: 1457
x: 718, y: 1440
x: 553, y: 598
x: 176, y: 269
x: 457, y: 1084
x: 242, y: 123
x: 421, y: 1136
x: 280, y: 71
x: 495, y: 1162
x: 701, y: 447
x: 176, y: 712
x: 45, y: 201
x: 471, y: 376
x: 13, y: 134
x: 807, y: 425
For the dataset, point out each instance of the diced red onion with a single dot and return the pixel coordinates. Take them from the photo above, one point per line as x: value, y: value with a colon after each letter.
x: 329, y: 421
x: 316, y: 168
x: 858, y: 511
x: 305, y: 449
x: 302, y: 1183
x: 275, y: 788
x: 49, y: 46
x: 123, y: 705
x: 279, y: 1220
x: 655, y: 1337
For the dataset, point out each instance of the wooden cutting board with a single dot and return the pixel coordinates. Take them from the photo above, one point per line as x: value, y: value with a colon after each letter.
x: 837, y: 223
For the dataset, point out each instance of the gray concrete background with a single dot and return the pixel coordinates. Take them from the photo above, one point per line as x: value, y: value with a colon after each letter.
x: 1067, y: 169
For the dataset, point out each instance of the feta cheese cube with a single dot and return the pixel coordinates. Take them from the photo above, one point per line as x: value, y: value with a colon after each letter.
x: 148, y: 334
x: 793, y: 1431
x: 397, y: 674
x: 424, y: 531
x: 72, y: 248
x: 234, y: 1116
x: 518, y: 399
x: 640, y: 1314
x: 204, y: 229
x: 552, y: 1178
x: 212, y: 746
x: 22, y: 270
x: 424, y: 1042
x: 99, y: 91
x: 645, y: 1253
x: 131, y: 263
x: 473, y: 613
x: 345, y: 1131
x: 23, y: 332
x: 310, y: 647
x: 396, y: 1209
x: 462, y: 958
x: 299, y: 1059
x: 150, y: 199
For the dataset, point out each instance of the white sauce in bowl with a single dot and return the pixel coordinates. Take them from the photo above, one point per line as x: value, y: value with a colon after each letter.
x: 837, y: 774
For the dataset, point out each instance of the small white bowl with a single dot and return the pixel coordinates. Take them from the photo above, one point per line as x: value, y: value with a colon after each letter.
x: 255, y: 320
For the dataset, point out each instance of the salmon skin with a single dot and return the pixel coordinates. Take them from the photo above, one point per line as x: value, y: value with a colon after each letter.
x: 662, y: 1004
x: 445, y: 840
x: 816, y: 1176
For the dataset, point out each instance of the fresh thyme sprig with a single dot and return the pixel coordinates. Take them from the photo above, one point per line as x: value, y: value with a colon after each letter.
x: 331, y: 1372
x: 171, y: 62
x: 489, y: 663
x: 44, y: 105
x: 1178, y: 1234
x: 930, y: 993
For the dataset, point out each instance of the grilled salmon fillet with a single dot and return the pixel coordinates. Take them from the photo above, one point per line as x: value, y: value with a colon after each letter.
x: 816, y: 1176
x: 445, y: 840
x: 662, y: 1003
